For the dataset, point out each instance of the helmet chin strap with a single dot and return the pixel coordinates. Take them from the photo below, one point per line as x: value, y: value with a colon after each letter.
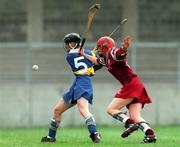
x: 72, y: 46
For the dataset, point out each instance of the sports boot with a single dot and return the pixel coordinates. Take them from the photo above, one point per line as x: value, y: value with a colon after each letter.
x: 129, y: 130
x: 149, y: 139
x: 95, y: 137
x: 48, y: 139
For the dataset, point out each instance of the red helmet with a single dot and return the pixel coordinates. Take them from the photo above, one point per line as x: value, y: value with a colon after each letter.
x: 104, y: 44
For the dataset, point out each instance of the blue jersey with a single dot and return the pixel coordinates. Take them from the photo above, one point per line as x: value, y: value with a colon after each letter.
x: 79, y: 64
x: 82, y: 85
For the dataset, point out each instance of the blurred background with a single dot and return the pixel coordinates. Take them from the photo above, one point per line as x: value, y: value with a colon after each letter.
x: 31, y: 32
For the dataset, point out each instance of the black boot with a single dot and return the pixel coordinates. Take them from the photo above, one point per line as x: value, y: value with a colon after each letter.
x: 149, y: 139
x: 129, y: 130
x: 95, y: 137
x: 48, y: 139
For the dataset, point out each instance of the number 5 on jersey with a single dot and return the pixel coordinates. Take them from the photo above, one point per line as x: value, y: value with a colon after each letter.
x: 78, y: 62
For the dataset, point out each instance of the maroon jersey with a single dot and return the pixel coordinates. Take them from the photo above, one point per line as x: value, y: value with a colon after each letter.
x: 117, y: 65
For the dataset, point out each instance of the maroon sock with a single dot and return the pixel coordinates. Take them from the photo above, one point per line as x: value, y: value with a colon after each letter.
x: 128, y: 122
x: 149, y: 132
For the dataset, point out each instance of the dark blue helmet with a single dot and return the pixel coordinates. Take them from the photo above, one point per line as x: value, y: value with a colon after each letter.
x: 72, y: 37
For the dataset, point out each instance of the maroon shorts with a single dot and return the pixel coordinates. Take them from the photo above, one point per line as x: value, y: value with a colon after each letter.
x: 134, y: 89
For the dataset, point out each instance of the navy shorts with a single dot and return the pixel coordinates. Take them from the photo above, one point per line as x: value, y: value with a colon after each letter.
x: 81, y: 87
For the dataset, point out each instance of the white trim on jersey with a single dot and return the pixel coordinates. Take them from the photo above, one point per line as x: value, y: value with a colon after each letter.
x: 114, y: 54
x: 74, y: 51
x: 102, y: 62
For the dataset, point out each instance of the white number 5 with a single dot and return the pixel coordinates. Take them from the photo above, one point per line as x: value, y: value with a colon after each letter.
x: 78, y: 63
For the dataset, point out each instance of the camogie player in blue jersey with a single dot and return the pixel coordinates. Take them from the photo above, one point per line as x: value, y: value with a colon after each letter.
x: 80, y: 92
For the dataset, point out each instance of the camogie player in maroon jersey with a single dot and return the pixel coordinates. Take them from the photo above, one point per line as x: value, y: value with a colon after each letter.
x: 132, y: 94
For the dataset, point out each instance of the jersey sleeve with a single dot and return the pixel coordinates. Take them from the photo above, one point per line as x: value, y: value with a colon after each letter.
x: 97, y: 67
x: 119, y: 54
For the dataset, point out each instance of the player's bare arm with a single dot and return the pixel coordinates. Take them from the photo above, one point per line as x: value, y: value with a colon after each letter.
x: 121, y: 52
x: 89, y: 57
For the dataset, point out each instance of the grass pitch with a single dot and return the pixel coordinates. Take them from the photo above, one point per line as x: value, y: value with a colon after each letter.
x: 168, y: 136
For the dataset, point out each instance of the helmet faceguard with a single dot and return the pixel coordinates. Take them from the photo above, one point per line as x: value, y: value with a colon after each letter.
x: 104, y: 44
x: 71, y: 39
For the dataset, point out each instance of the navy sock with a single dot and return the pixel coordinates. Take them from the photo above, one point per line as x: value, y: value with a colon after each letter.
x: 92, y: 128
x: 52, y: 133
x: 53, y: 128
x: 90, y: 122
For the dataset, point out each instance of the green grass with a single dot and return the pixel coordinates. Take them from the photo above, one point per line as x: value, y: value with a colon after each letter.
x: 168, y: 136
